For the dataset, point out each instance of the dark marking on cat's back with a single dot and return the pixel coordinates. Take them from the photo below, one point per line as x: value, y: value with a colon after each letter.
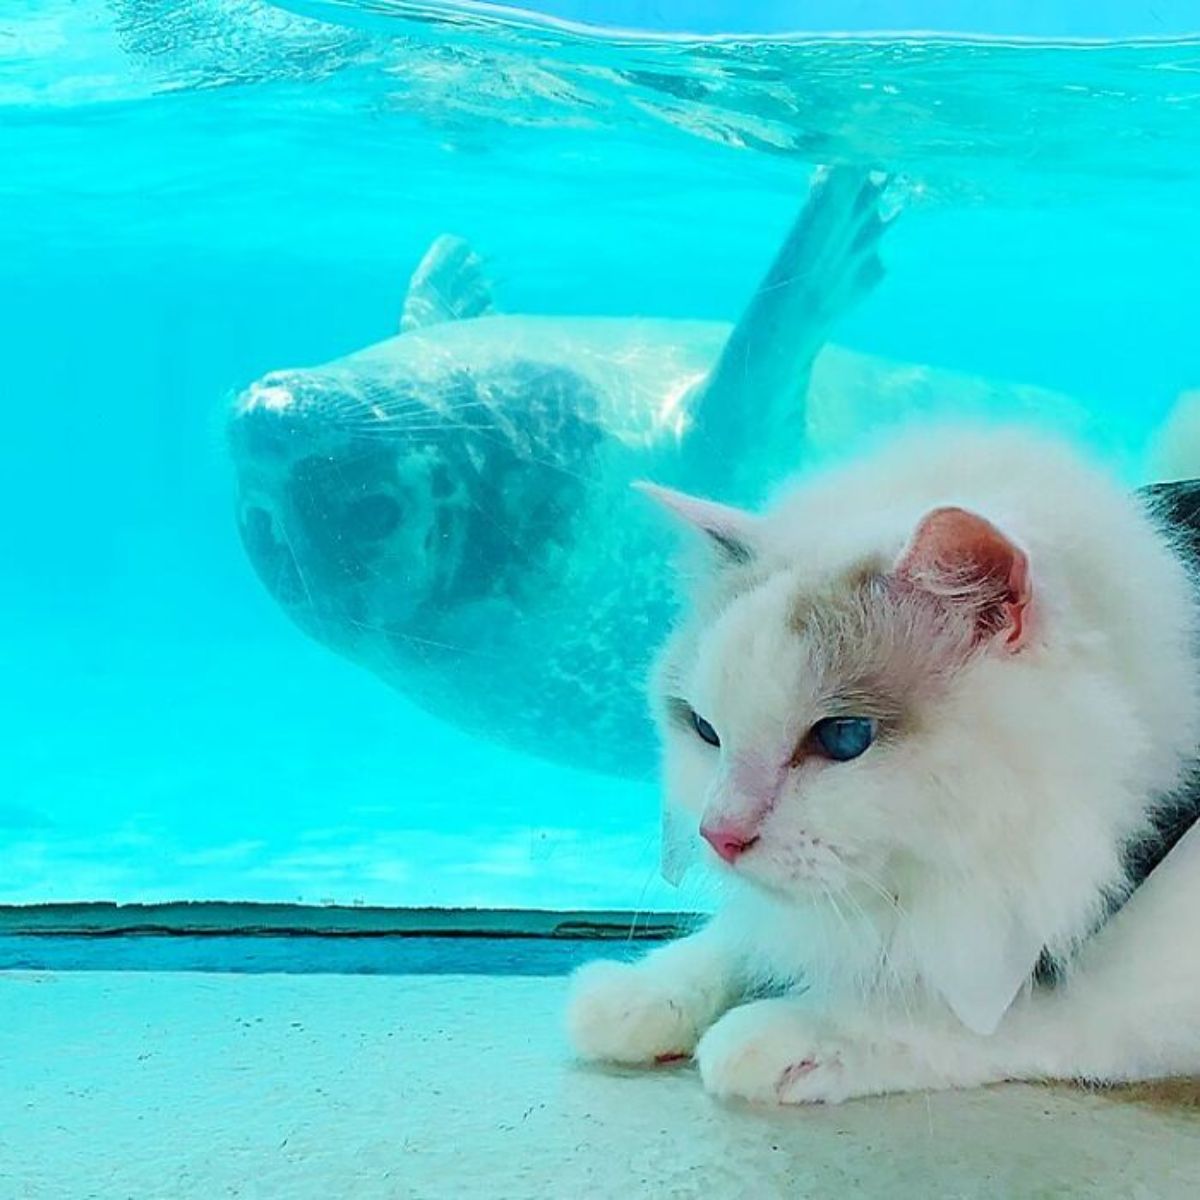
x: 1178, y: 504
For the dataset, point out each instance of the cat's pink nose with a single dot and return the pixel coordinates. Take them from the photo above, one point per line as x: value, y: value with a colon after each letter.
x: 729, y: 841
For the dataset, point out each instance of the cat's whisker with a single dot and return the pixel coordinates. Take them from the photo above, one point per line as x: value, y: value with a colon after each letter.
x: 868, y: 880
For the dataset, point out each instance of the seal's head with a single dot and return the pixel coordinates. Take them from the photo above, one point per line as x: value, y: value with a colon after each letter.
x: 373, y: 503
x: 347, y: 510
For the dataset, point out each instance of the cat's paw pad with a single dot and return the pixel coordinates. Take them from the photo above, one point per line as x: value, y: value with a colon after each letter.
x: 620, y: 1013
x: 772, y: 1057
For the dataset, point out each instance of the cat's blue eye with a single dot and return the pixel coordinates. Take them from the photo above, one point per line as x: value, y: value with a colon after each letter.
x: 704, y: 729
x: 844, y: 738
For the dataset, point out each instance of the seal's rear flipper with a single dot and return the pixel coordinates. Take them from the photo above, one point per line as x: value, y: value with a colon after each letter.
x: 448, y: 285
x: 828, y: 262
x: 1174, y: 451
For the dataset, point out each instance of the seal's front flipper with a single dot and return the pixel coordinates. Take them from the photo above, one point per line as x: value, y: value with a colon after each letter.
x: 448, y: 285
x: 828, y: 262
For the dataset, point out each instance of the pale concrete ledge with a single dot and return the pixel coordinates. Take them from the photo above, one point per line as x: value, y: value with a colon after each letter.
x: 331, y: 1087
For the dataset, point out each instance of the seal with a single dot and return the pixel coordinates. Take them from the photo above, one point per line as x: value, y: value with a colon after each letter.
x: 451, y: 508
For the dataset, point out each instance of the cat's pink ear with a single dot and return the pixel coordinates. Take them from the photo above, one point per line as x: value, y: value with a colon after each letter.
x: 731, y: 530
x: 965, y: 560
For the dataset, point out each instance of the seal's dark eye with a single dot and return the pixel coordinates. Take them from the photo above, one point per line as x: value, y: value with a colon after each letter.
x: 704, y: 729
x: 844, y: 738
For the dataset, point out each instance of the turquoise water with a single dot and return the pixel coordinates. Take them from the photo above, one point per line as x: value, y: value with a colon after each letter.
x: 193, y: 194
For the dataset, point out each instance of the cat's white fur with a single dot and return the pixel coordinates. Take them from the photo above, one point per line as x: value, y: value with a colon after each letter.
x: 894, y: 904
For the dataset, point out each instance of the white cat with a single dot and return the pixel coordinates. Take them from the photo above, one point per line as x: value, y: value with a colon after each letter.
x: 934, y: 714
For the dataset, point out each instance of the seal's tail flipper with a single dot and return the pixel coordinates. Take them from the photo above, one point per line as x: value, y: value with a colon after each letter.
x: 448, y: 285
x: 828, y: 262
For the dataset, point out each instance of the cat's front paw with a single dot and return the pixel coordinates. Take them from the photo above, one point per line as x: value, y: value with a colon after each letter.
x: 621, y: 1013
x: 770, y: 1052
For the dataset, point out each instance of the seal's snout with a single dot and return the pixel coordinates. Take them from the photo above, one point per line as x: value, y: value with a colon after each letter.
x: 271, y: 422
x: 270, y: 394
x: 259, y: 435
x: 288, y: 415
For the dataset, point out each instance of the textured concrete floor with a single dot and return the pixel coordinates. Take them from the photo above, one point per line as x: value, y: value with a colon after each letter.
x: 190, y: 1085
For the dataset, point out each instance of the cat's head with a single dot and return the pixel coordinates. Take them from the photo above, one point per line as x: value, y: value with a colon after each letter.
x: 813, y: 710
x: 951, y: 680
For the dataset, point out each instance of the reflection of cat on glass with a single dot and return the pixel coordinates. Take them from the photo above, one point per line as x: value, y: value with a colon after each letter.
x: 929, y: 713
